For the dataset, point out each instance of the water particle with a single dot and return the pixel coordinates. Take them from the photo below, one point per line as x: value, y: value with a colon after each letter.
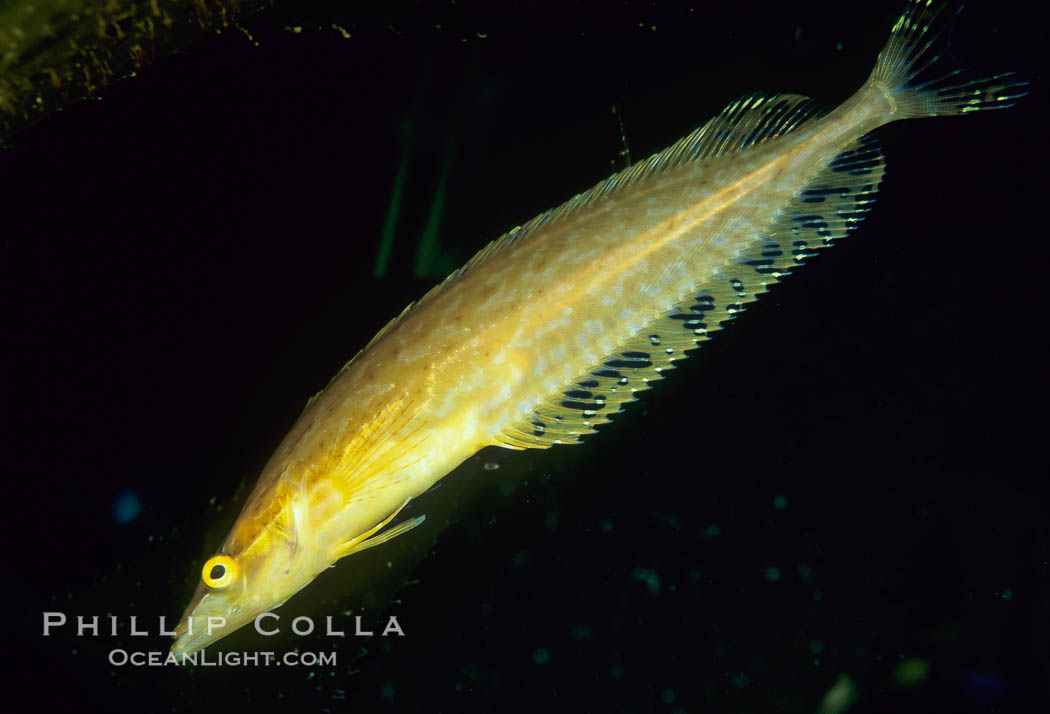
x: 581, y: 632
x: 126, y: 507
x: 984, y: 684
x: 911, y: 672
x: 541, y: 655
x: 650, y: 577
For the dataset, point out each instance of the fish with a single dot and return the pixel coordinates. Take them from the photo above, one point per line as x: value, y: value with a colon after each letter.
x: 557, y: 325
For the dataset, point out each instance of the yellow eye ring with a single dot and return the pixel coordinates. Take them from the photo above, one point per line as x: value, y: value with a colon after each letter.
x: 219, y: 571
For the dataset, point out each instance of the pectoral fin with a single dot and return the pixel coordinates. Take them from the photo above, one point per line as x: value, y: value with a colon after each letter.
x: 366, y: 539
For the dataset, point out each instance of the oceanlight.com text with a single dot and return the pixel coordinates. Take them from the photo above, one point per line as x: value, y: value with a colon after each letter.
x: 203, y: 658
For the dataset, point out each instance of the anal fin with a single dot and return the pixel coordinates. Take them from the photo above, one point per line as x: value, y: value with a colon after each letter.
x: 827, y: 208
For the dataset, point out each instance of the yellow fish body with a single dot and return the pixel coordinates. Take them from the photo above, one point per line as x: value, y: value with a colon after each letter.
x: 554, y: 326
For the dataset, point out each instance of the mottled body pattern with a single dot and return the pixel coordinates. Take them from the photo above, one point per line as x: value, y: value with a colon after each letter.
x: 555, y: 325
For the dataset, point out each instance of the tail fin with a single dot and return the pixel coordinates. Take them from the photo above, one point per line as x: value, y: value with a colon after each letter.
x: 908, y: 67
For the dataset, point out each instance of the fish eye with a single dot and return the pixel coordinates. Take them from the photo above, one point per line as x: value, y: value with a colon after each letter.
x: 219, y: 571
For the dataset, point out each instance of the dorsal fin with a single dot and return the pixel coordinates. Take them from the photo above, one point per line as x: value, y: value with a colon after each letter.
x: 747, y: 122
x: 827, y: 208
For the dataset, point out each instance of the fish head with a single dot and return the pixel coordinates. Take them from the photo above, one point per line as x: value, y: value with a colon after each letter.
x: 261, y: 565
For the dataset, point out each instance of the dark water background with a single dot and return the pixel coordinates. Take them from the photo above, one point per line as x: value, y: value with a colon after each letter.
x: 847, y: 485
